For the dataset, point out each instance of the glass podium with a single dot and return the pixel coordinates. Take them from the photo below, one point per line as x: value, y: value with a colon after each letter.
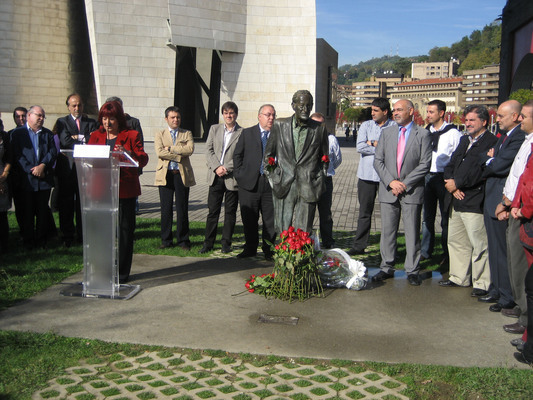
x: 98, y: 171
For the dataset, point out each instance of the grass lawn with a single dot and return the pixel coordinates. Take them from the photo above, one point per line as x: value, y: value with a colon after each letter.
x: 29, y: 360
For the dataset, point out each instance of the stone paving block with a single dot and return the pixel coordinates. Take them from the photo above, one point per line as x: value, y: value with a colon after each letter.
x: 164, y: 374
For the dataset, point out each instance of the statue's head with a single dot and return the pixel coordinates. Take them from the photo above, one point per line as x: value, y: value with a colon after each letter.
x: 302, y: 104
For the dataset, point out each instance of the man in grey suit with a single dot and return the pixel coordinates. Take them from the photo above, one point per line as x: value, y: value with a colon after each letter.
x: 402, y: 159
x: 220, y: 146
x: 300, y: 149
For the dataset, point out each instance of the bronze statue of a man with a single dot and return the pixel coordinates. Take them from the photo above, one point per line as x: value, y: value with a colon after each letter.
x: 296, y: 160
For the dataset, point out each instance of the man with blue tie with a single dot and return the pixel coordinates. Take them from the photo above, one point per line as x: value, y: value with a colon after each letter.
x: 255, y: 193
x: 402, y: 160
x: 174, y: 176
x: 34, y: 155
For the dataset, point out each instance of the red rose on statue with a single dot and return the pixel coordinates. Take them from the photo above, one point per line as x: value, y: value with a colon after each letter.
x: 325, y: 158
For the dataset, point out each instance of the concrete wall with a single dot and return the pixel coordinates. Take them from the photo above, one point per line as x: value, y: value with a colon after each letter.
x: 36, y: 66
x: 268, y: 51
x: 130, y: 57
x: 278, y: 59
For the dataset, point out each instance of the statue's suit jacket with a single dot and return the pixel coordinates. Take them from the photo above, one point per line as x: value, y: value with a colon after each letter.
x: 179, y: 152
x: 214, y: 147
x: 308, y: 171
x: 415, y: 165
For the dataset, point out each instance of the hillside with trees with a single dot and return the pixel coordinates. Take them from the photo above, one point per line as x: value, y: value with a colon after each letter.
x: 481, y: 48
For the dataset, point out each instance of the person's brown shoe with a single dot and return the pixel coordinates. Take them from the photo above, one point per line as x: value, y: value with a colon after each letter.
x: 515, y: 328
x: 511, y: 312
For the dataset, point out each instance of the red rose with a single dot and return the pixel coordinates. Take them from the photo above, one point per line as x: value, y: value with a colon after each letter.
x: 325, y: 158
x: 271, y: 161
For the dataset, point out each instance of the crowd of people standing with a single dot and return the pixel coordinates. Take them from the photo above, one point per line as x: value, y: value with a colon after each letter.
x: 281, y: 171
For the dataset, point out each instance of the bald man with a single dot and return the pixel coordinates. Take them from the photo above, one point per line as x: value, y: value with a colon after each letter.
x: 496, y: 165
x: 402, y: 160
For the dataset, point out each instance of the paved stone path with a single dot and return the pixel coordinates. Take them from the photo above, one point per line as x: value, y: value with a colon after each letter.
x: 165, y: 374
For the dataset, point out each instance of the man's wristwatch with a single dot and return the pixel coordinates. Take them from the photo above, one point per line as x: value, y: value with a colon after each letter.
x: 505, y: 206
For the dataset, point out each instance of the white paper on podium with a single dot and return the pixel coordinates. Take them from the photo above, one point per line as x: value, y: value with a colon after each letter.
x: 91, y: 151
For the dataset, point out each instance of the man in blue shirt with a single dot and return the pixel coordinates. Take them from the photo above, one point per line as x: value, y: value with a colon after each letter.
x: 324, y: 203
x: 368, y: 183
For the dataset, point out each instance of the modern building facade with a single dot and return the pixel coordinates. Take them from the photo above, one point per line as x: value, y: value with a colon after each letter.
x: 152, y: 54
x: 516, y: 54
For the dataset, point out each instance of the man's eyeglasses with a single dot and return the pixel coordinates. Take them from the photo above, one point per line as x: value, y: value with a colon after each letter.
x: 269, y: 115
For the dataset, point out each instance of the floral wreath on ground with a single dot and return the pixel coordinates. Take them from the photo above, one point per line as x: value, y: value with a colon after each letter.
x: 301, y: 271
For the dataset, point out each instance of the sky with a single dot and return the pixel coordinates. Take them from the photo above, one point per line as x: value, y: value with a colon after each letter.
x: 362, y: 29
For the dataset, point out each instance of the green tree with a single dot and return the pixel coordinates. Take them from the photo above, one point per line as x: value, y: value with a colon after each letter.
x: 353, y: 114
x: 522, y: 95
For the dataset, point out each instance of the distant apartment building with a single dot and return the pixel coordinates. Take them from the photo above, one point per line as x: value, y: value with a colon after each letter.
x: 421, y: 92
x: 481, y: 86
x: 432, y: 70
x: 361, y: 94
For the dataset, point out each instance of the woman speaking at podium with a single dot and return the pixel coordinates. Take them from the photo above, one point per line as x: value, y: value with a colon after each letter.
x: 114, y: 131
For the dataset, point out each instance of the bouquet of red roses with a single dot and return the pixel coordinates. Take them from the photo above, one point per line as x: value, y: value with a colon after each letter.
x: 295, y: 267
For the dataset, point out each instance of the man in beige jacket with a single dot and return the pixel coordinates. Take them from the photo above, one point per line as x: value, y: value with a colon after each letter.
x: 174, y: 176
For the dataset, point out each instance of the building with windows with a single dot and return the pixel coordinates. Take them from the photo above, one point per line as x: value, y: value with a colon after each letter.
x: 434, y: 70
x: 481, y: 86
x: 421, y: 92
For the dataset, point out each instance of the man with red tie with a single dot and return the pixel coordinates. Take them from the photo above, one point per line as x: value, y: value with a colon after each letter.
x: 72, y: 129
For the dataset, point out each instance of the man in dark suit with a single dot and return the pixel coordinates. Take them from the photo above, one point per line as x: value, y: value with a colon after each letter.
x: 300, y: 149
x: 34, y: 155
x: 19, y: 116
x: 72, y: 129
x: 496, y: 165
x: 402, y: 160
x: 463, y: 177
x: 220, y: 146
x: 255, y: 194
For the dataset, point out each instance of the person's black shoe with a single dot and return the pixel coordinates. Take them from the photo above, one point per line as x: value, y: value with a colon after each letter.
x: 413, y: 279
x: 246, y: 254
x: 476, y: 292
x: 517, y: 341
x: 499, y: 307
x: 448, y: 283
x: 205, y: 249
x: 381, y: 276
x: 521, y: 358
x: 496, y: 307
x: 356, y: 252
x: 226, y: 248
x: 488, y: 299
